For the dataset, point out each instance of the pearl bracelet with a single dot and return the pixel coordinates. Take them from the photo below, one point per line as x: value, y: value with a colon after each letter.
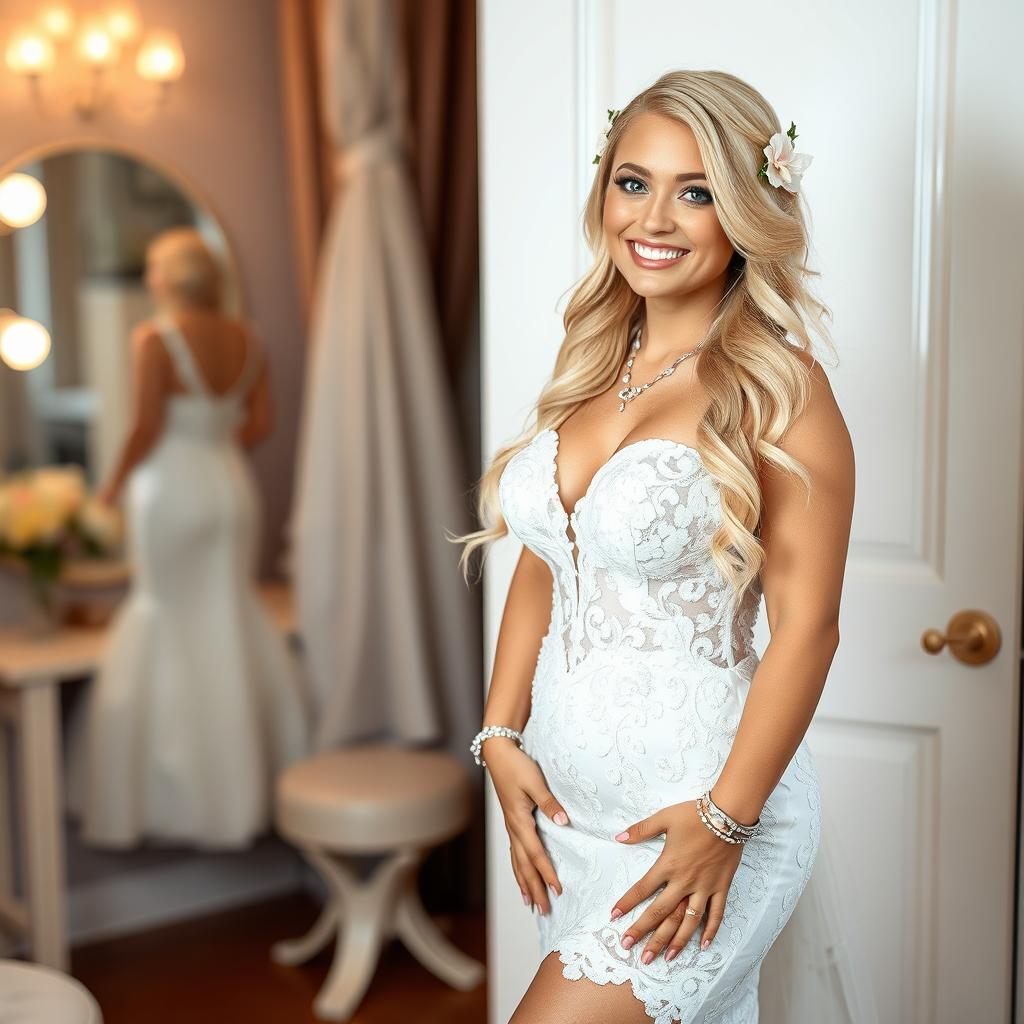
x: 723, y: 825
x: 493, y: 730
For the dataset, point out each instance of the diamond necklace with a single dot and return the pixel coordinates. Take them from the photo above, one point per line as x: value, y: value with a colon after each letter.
x: 627, y: 394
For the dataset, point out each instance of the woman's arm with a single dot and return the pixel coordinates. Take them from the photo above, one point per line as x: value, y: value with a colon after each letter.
x: 524, y: 623
x: 806, y: 544
x: 518, y: 780
x: 150, y: 380
x: 259, y: 410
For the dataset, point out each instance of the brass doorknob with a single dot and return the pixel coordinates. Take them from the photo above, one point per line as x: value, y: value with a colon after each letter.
x: 972, y: 636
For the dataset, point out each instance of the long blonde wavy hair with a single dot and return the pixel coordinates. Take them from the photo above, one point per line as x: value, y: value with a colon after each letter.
x: 748, y: 365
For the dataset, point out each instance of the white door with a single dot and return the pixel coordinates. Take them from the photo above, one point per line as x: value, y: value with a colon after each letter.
x: 915, y: 116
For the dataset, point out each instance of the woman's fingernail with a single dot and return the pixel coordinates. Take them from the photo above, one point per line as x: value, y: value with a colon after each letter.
x: 671, y: 954
x: 551, y: 886
x: 616, y: 913
x: 562, y: 818
x: 628, y: 941
x: 526, y: 900
x: 705, y: 944
x: 622, y: 836
x: 648, y: 956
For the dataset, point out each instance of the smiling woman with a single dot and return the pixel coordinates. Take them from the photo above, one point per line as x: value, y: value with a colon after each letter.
x: 661, y: 800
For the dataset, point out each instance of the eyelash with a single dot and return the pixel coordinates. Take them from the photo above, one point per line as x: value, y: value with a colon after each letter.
x: 621, y: 182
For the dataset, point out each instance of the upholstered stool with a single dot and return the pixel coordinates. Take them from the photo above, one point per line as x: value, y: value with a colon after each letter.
x: 33, y: 994
x: 372, y: 799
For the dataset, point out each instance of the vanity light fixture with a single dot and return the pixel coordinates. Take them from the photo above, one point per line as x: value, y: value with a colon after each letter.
x: 22, y: 201
x: 95, y: 55
x: 24, y: 343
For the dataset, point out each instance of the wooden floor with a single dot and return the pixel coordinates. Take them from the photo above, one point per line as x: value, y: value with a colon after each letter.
x: 217, y: 970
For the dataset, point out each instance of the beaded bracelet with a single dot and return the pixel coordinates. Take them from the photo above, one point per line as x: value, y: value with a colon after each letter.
x: 493, y: 730
x: 724, y: 826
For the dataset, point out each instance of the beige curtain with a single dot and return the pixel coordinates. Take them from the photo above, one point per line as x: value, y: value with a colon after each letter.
x: 439, y: 57
x: 389, y: 628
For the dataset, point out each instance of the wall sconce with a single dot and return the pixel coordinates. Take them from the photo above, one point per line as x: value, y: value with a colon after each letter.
x: 24, y: 343
x: 102, y: 45
x: 22, y: 201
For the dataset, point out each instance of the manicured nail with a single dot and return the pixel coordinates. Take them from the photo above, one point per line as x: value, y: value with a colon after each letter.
x: 526, y: 900
x: 671, y: 954
x: 648, y: 956
x: 622, y: 836
x: 562, y: 818
x: 628, y: 941
x: 551, y: 886
x: 616, y: 913
x: 705, y: 944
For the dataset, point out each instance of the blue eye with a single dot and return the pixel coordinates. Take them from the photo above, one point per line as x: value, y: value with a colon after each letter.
x: 699, y: 191
x: 623, y: 182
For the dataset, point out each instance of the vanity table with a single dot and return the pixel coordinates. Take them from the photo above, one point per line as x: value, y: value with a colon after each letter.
x: 32, y: 669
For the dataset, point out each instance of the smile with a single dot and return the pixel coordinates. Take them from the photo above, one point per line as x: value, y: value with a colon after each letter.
x: 655, y: 257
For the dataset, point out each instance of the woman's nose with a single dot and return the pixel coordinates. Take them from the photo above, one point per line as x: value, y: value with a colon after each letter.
x: 656, y: 216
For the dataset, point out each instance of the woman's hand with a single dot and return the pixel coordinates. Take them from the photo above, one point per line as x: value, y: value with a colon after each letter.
x: 696, y: 868
x: 521, y: 786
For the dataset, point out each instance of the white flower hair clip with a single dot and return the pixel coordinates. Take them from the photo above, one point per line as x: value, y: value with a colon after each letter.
x: 602, y: 141
x: 784, y: 166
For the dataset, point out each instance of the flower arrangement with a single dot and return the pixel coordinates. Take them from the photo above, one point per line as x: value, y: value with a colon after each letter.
x: 48, y: 517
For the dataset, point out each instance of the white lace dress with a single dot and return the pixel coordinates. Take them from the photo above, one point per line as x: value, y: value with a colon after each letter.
x: 636, y: 698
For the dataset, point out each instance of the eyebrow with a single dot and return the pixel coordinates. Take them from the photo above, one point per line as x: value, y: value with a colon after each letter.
x: 686, y: 176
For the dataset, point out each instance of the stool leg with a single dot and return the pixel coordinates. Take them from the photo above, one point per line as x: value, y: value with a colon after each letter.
x: 298, y: 951
x: 364, y: 911
x: 430, y: 945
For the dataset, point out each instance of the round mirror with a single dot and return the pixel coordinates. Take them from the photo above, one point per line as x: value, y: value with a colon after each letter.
x: 83, y: 291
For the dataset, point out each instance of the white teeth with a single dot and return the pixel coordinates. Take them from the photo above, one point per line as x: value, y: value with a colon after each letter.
x: 657, y: 254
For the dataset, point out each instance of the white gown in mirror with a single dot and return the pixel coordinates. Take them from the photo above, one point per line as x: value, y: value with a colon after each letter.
x: 197, y: 704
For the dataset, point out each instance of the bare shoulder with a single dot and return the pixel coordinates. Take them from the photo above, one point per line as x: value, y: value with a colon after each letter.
x: 818, y: 437
x: 148, y: 348
x: 145, y: 334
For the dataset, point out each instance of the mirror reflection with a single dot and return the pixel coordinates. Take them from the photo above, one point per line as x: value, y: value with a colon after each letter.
x: 87, y: 289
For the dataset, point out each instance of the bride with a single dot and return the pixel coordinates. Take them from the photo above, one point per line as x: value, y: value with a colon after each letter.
x: 661, y: 800
x: 197, y: 704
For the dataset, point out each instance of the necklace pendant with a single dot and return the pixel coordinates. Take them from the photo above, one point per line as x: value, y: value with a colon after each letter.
x: 628, y: 394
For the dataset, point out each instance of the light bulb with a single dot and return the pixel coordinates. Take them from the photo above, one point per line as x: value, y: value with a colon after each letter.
x: 58, y: 20
x: 29, y: 53
x: 160, y: 57
x: 96, y: 44
x: 22, y: 200
x: 123, y: 22
x: 24, y: 343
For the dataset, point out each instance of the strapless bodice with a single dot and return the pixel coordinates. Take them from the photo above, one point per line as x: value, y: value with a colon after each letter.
x: 639, y: 577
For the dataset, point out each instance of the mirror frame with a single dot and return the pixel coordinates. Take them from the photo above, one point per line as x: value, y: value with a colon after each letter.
x: 185, y: 184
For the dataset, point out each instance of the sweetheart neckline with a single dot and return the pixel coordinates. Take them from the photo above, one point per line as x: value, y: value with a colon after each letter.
x: 570, y: 515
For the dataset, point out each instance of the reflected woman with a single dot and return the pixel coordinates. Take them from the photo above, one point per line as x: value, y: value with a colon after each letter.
x: 197, y: 705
